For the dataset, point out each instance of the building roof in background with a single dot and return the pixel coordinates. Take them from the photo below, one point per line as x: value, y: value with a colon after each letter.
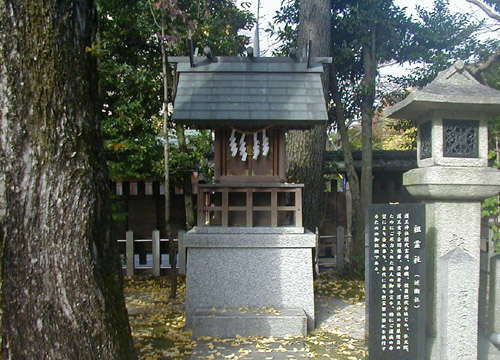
x: 238, y: 91
x: 383, y: 160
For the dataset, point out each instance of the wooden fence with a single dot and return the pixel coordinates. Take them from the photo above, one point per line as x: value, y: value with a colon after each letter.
x: 339, y: 248
x: 150, y: 255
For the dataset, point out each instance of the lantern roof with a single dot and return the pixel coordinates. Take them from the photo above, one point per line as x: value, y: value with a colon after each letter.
x: 453, y: 89
x: 244, y: 91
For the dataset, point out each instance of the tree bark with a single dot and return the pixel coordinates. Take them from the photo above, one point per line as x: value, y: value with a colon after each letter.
x: 62, y: 291
x: 306, y: 149
x: 187, y: 186
x: 166, y: 152
x: 352, y: 176
x: 165, y: 122
x: 367, y: 100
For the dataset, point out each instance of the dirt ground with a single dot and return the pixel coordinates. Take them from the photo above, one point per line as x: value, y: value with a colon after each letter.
x: 158, y: 324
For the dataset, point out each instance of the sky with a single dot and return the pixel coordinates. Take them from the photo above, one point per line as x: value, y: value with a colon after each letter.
x: 269, y: 8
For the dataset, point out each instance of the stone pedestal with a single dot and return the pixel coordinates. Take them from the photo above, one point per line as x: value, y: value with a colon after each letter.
x: 453, y: 220
x: 252, y: 271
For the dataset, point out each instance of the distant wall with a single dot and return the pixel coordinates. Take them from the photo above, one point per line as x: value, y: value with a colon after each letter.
x: 142, y: 209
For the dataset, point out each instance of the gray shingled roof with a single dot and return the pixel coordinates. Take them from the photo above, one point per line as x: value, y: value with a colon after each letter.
x: 453, y: 89
x: 250, y: 92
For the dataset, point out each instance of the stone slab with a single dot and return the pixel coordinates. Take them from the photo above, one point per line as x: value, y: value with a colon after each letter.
x: 231, y: 271
x: 248, y: 230
x: 396, y: 272
x: 450, y: 225
x: 452, y: 183
x: 249, y: 240
x: 224, y: 323
x: 250, y: 349
x: 459, y: 306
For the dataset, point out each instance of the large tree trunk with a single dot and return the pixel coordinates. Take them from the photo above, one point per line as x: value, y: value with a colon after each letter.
x: 306, y: 149
x: 62, y: 291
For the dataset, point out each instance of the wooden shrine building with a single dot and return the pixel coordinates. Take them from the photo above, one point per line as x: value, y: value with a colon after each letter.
x: 249, y: 248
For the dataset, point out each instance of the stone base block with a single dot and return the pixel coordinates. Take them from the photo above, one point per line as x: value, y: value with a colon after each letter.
x: 233, y: 271
x: 263, y: 321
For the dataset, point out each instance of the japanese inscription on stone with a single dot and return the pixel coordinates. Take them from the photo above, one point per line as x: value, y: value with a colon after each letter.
x: 396, y: 282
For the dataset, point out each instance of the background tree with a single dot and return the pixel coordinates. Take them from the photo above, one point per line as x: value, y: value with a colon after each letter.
x: 131, y: 86
x: 306, y: 149
x: 492, y: 9
x: 441, y: 38
x: 62, y: 292
x: 363, y: 34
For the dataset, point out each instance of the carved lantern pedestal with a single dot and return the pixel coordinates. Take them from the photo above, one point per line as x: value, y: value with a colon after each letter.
x: 452, y: 180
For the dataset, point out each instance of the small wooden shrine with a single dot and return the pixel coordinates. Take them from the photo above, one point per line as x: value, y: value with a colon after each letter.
x: 250, y: 102
x: 249, y: 249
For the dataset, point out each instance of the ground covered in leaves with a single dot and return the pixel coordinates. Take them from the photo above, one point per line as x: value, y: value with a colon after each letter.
x: 158, y: 324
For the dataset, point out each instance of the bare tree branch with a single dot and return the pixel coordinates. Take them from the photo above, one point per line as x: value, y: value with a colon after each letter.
x: 483, y: 66
x: 485, y: 9
x: 478, y: 70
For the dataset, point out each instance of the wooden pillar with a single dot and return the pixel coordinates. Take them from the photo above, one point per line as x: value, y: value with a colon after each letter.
x: 274, y: 207
x: 249, y: 204
x: 340, y: 249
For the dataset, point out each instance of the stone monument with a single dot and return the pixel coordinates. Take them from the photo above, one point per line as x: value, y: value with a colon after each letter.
x: 249, y: 260
x: 452, y: 179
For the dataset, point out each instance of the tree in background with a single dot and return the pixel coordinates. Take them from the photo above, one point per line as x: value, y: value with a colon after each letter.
x: 441, y: 38
x: 492, y: 9
x: 488, y: 71
x: 62, y: 291
x: 306, y: 149
x: 363, y: 34
x: 131, y: 85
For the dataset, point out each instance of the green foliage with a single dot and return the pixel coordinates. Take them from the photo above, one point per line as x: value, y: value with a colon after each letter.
x: 490, y: 206
x: 285, y: 27
x: 218, y: 23
x: 130, y: 72
x: 196, y: 159
x: 130, y: 89
x: 495, y: 4
x: 440, y: 38
x: 117, y: 205
x: 354, y: 22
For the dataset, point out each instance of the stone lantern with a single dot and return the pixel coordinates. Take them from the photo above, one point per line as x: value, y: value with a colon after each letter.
x: 452, y: 179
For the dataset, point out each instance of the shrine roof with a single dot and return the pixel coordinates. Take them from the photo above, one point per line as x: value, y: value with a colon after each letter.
x: 239, y: 91
x: 453, y: 89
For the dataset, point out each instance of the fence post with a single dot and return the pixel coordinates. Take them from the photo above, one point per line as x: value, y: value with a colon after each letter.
x: 156, y: 252
x: 129, y: 252
x: 494, y: 299
x: 182, y: 252
x: 340, y: 249
x: 316, y: 255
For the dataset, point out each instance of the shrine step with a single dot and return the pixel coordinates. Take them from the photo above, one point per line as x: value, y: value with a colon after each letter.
x: 263, y: 321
